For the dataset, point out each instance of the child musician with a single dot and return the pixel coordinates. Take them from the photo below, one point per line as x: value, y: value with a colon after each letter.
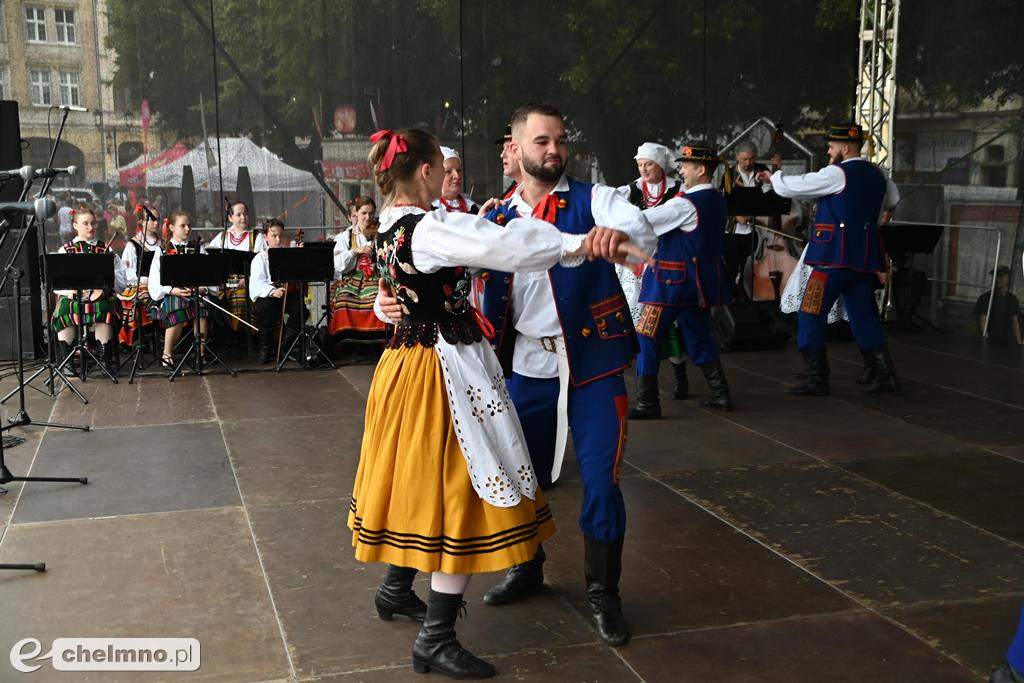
x: 96, y: 307
x: 269, y: 297
x: 240, y: 237
x: 177, y: 307
x: 146, y: 239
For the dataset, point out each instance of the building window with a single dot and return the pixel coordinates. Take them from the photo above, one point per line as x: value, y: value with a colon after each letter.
x: 65, y: 22
x: 41, y: 93
x: 69, y: 90
x: 35, y: 24
x: 5, y: 88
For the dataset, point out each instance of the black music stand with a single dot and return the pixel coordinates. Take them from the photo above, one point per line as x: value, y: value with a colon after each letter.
x: 80, y: 272
x: 135, y: 358
x: 908, y: 239
x: 302, y: 266
x: 753, y: 201
x: 192, y: 271
x: 239, y: 265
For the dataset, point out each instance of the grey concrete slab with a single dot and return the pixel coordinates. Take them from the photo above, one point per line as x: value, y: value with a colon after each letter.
x: 148, y: 401
x: 859, y: 647
x: 191, y: 574
x: 299, y: 458
x: 259, y: 396
x: 883, y: 548
x: 130, y: 471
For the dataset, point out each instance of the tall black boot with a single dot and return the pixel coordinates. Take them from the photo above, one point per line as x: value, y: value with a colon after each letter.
x: 602, y: 568
x: 267, y: 347
x: 63, y: 349
x: 521, y: 581
x: 396, y: 596
x: 720, y: 399
x: 436, y: 646
x: 815, y: 375
x: 648, y: 404
x: 885, y: 378
x: 107, y: 356
x: 870, y: 371
x: 1005, y: 673
x: 682, y: 387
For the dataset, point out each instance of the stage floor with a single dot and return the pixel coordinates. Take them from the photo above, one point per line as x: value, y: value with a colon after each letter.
x: 845, y: 538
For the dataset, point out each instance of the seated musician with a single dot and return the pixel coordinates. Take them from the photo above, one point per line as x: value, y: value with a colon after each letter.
x: 147, y: 238
x: 239, y: 237
x: 96, y: 307
x: 177, y: 307
x: 355, y: 286
x: 271, y: 300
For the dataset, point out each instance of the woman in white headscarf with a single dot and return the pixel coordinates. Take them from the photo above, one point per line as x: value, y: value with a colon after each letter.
x: 452, y: 197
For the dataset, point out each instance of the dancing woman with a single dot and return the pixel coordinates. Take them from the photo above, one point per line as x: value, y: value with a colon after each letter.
x: 444, y: 482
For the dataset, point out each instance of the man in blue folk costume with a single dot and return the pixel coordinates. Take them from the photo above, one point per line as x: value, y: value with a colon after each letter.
x: 565, y: 337
x: 846, y: 252
x: 685, y: 281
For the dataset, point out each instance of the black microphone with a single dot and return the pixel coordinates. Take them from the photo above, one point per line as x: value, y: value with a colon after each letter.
x: 52, y: 172
x: 40, y: 208
x: 25, y: 172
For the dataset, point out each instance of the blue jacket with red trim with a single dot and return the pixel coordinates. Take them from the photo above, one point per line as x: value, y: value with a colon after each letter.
x: 845, y: 232
x: 596, y: 324
x: 688, y: 268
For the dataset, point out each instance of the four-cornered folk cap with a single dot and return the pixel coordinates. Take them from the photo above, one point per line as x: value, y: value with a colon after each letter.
x: 699, y: 151
x: 845, y: 132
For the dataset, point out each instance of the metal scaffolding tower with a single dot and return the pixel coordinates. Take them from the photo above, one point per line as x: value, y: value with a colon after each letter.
x: 875, y: 105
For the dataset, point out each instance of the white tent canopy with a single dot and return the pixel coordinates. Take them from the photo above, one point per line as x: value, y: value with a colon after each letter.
x: 266, y: 170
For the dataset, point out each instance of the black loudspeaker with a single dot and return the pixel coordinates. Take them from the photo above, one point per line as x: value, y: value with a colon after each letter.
x: 10, y: 149
x: 751, y: 325
x: 27, y: 264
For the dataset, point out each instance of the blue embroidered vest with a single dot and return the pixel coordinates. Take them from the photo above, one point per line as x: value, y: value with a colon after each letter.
x: 596, y: 324
x: 845, y: 232
x: 688, y: 267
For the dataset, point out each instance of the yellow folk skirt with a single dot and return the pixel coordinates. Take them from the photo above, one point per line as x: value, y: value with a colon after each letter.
x: 413, y: 504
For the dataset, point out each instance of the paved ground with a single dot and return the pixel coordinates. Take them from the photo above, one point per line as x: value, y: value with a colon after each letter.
x: 841, y: 539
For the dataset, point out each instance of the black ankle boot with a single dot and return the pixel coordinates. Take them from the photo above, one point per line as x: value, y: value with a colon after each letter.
x: 267, y: 348
x: 436, y: 646
x: 521, y: 581
x: 62, y: 351
x: 602, y: 568
x: 815, y: 375
x: 682, y: 387
x: 870, y: 371
x: 396, y: 596
x: 720, y: 399
x: 885, y: 381
x: 648, y: 404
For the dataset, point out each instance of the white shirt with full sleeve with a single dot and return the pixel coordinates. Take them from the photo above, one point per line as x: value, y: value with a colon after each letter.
x: 345, y: 259
x: 260, y: 284
x: 259, y: 242
x: 130, y: 258
x: 678, y: 213
x: 157, y: 290
x: 120, y: 276
x: 829, y: 180
x: 533, y: 301
x: 493, y: 445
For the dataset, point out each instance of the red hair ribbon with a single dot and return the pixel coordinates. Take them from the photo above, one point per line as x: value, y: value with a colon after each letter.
x: 396, y: 146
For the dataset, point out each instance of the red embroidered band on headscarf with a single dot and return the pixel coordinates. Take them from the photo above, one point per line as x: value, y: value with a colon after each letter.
x: 397, y: 145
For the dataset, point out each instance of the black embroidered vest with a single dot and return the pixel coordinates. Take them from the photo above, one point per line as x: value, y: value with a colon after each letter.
x: 431, y: 302
x: 190, y: 247
x: 636, y: 194
x: 85, y: 248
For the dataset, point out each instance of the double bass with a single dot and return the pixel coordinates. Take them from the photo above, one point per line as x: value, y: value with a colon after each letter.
x: 773, y: 259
